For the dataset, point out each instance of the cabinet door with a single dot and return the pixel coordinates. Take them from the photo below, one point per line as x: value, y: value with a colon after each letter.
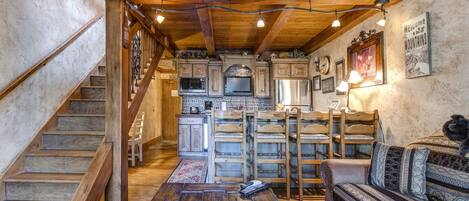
x: 185, y: 70
x: 262, y: 82
x: 197, y: 138
x: 282, y: 70
x: 299, y: 70
x: 184, y: 138
x: 199, y: 70
x: 215, y: 81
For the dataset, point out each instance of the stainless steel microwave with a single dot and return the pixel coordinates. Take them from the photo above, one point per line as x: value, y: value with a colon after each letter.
x: 192, y: 86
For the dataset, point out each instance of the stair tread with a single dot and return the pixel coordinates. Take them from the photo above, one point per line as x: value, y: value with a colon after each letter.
x: 62, y: 132
x: 45, y: 177
x: 62, y: 153
x: 79, y: 115
x: 88, y: 100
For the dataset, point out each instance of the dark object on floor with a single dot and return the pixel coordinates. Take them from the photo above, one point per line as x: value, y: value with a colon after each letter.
x: 457, y: 129
x: 207, y: 192
x: 252, y: 187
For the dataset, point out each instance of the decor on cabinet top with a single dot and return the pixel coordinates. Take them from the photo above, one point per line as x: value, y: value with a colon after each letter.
x: 366, y: 57
x: 417, y: 46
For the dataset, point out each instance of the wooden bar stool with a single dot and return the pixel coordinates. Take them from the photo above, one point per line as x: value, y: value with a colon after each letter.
x: 313, y: 128
x: 272, y: 128
x: 357, y: 128
x: 228, y: 127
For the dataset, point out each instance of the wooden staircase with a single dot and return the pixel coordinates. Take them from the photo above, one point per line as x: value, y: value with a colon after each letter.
x: 55, y: 164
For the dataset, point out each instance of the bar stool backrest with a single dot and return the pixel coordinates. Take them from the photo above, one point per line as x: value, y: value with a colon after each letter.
x: 271, y: 122
x: 318, y: 123
x: 359, y: 123
x: 232, y: 121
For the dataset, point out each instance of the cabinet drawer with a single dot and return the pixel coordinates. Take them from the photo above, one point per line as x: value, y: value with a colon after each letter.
x: 191, y: 120
x: 185, y: 70
x: 199, y: 70
x: 282, y: 70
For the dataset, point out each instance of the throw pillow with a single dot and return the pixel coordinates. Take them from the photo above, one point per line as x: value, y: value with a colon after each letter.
x: 399, y: 169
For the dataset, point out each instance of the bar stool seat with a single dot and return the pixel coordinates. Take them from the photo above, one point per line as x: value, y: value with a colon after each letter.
x: 312, y: 136
x: 355, y: 137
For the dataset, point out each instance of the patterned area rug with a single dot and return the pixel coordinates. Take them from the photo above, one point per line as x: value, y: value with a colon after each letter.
x: 189, y: 171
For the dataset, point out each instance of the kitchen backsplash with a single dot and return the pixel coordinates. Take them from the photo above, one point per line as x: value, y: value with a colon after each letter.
x: 232, y: 102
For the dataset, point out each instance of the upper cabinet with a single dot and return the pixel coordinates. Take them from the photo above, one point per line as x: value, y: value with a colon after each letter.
x: 290, y: 68
x: 193, y: 68
x: 215, y: 79
x: 262, y: 81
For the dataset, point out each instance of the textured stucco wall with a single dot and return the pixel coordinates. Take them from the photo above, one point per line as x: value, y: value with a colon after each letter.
x: 411, y: 108
x: 29, y: 30
x: 152, y: 106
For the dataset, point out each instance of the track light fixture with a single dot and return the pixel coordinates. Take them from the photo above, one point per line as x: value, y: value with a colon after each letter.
x: 260, y: 21
x: 159, y: 17
x: 382, y: 21
x: 336, y: 22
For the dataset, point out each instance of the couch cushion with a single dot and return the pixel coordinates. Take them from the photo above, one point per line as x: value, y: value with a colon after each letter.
x: 399, y: 169
x: 447, y: 172
x: 363, y: 192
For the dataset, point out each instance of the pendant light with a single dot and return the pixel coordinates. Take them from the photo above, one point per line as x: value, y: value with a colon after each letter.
x: 260, y: 21
x: 159, y: 17
x: 382, y: 21
x: 336, y: 22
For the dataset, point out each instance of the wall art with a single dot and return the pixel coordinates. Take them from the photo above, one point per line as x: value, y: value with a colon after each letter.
x: 417, y: 46
x: 328, y: 85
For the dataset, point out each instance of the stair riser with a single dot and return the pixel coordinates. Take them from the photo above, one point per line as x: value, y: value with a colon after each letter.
x: 71, y: 142
x: 98, y: 80
x: 42, y: 164
x: 87, y: 107
x: 92, y: 93
x: 80, y: 123
x: 39, y: 191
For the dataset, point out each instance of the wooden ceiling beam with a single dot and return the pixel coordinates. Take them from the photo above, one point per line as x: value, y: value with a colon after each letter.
x: 259, y: 2
x: 206, y: 24
x: 347, y: 21
x: 272, y: 31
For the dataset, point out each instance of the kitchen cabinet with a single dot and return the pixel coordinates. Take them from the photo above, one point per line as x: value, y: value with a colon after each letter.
x: 290, y: 68
x: 184, y: 138
x: 215, y: 81
x: 191, y: 135
x: 262, y: 85
x: 192, y: 68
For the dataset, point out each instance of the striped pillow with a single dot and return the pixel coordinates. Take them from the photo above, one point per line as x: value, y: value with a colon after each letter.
x: 399, y: 169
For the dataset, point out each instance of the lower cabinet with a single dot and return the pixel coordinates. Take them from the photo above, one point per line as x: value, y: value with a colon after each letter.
x: 191, y: 135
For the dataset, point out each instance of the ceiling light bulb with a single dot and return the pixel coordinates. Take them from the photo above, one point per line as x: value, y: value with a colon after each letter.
x: 260, y: 23
x: 159, y: 18
x: 382, y: 22
x: 336, y: 23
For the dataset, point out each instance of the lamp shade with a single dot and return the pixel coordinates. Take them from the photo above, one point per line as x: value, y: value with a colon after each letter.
x: 355, y: 77
x: 343, y: 87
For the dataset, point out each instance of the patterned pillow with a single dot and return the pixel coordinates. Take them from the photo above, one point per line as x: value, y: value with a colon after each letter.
x: 399, y: 169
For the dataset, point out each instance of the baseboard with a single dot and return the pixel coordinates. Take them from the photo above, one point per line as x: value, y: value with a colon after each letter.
x: 150, y: 143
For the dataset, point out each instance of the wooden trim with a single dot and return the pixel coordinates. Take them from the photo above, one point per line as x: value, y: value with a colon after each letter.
x: 41, y: 63
x: 94, y: 182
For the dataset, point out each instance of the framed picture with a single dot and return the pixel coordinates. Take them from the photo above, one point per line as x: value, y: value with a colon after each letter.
x: 328, y: 85
x: 417, y: 47
x: 340, y: 71
x: 366, y: 57
x: 317, y: 83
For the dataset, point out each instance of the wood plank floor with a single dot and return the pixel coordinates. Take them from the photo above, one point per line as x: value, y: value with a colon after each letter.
x: 146, y: 178
x: 160, y: 161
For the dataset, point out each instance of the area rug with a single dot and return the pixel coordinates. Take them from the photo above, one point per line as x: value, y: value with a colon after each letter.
x: 189, y: 171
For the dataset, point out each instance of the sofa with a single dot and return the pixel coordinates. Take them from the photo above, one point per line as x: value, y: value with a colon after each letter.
x: 447, y: 175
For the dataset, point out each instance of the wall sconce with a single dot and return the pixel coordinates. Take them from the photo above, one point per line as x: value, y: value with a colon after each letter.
x: 345, y: 86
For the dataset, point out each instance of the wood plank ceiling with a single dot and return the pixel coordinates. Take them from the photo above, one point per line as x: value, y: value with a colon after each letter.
x: 284, y: 30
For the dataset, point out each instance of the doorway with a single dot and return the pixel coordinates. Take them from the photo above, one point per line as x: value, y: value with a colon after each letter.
x: 171, y: 109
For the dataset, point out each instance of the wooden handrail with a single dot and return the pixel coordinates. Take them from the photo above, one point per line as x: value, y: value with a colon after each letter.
x: 142, y: 89
x: 93, y: 184
x: 41, y: 63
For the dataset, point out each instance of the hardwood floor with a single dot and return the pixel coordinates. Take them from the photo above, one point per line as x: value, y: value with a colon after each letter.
x: 146, y: 178
x: 160, y: 161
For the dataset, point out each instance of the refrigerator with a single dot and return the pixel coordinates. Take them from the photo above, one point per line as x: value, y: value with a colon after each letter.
x: 293, y: 93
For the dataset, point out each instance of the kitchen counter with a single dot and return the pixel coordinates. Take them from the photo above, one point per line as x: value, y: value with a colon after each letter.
x: 200, y: 115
